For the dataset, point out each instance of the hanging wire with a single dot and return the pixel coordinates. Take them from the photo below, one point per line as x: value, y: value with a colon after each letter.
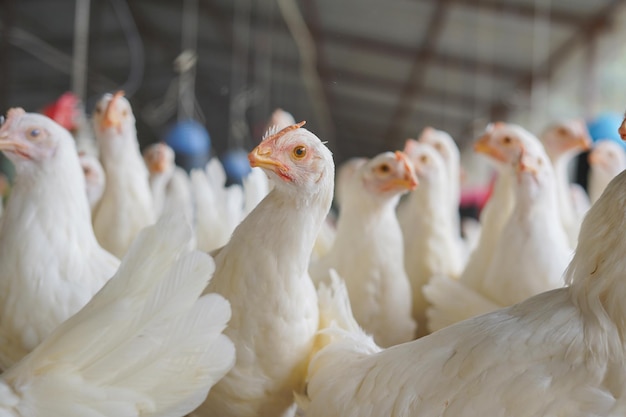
x: 187, y: 61
x: 81, y: 48
x: 135, y: 46
x: 238, y: 127
x: 308, y: 57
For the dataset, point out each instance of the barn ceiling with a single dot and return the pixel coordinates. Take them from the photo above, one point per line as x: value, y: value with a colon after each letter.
x: 365, y: 74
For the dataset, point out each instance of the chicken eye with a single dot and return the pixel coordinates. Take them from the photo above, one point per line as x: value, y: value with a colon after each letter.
x: 299, y: 152
x: 507, y: 140
x: 33, y: 133
x: 384, y: 168
x: 561, y: 131
x: 438, y: 146
x: 424, y: 159
x: 98, y: 110
x: 124, y: 113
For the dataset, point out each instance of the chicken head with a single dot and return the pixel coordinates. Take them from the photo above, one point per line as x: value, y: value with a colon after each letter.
x: 293, y: 157
x: 505, y: 142
x: 566, y: 136
x: 113, y: 112
x: 30, y: 137
x: 389, y: 173
x: 159, y: 158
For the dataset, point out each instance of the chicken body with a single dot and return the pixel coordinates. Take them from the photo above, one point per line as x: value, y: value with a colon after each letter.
x: 170, y: 185
x: 560, y: 353
x: 95, y: 179
x: 455, y: 300
x: 445, y: 145
x: 127, y: 205
x: 431, y: 243
x: 533, y: 249
x: 563, y: 141
x: 219, y: 209
x: 368, y: 250
x: 145, y: 345
x: 262, y: 271
x: 50, y: 261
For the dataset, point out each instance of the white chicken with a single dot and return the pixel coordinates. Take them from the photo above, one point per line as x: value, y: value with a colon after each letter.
x: 51, y: 262
x: 563, y: 141
x: 431, y: 243
x: 126, y: 205
x: 560, y: 353
x: 219, y: 209
x: 170, y: 185
x: 368, y: 251
x: 262, y: 271
x: 449, y: 151
x: 145, y: 345
x: 533, y: 249
x: 95, y: 179
x: 606, y: 159
x: 504, y: 143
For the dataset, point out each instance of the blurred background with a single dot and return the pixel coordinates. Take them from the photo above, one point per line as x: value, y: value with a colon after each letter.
x: 364, y: 74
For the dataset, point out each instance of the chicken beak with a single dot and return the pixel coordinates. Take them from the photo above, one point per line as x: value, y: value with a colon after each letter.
x: 527, y: 164
x: 157, y: 166
x: 261, y: 157
x: 112, y: 116
x: 483, y: 146
x: 409, y: 180
x: 583, y: 142
x: 7, y: 142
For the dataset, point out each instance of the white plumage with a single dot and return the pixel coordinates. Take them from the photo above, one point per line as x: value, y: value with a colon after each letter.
x: 455, y: 300
x: 445, y: 145
x: 170, y: 184
x: 126, y: 205
x: 262, y: 271
x: 145, y: 345
x: 368, y: 249
x: 51, y: 263
x: 560, y: 353
x: 533, y: 249
x: 95, y: 178
x: 606, y: 159
x: 563, y: 141
x: 219, y: 209
x: 431, y: 240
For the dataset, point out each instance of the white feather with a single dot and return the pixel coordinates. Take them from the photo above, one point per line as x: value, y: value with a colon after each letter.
x: 144, y: 346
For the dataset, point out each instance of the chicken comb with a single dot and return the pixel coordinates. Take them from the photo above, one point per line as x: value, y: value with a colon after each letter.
x: 285, y: 131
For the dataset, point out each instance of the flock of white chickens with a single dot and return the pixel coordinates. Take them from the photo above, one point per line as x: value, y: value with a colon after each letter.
x: 248, y: 301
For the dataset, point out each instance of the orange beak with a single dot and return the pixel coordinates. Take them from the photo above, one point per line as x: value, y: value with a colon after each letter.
x: 111, y: 116
x: 527, y: 164
x: 484, y: 147
x: 409, y: 180
x: 261, y: 156
x: 157, y: 165
x: 8, y: 143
